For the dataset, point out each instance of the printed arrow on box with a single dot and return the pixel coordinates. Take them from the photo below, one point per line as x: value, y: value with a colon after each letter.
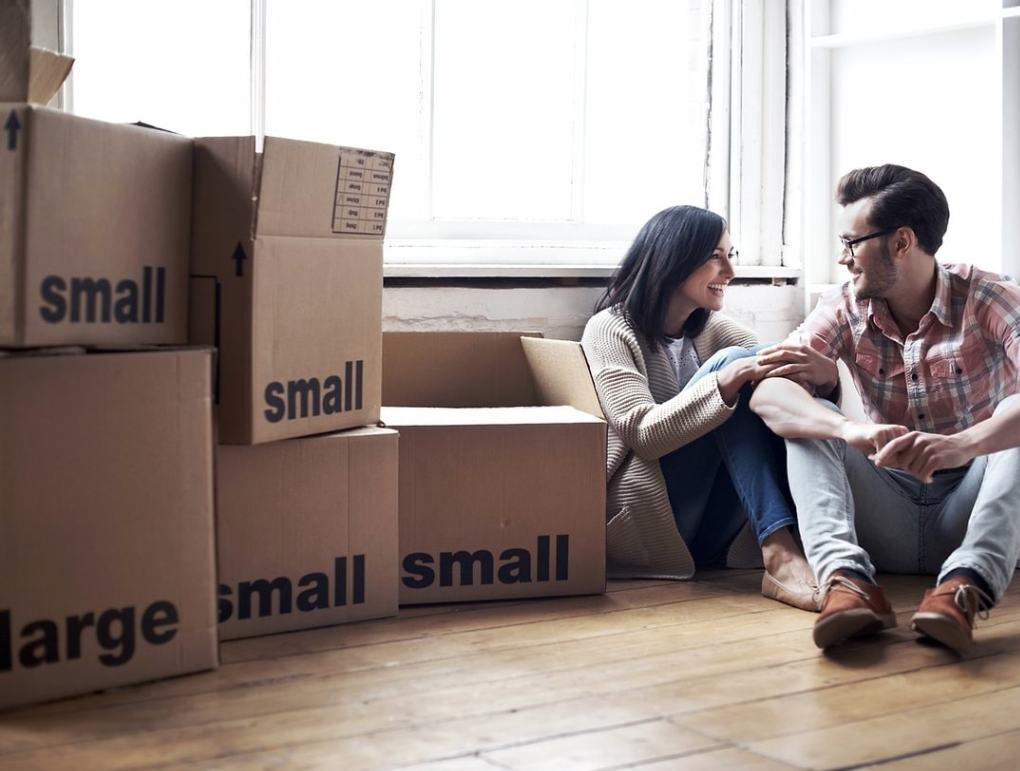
x: 239, y: 258
x: 12, y: 126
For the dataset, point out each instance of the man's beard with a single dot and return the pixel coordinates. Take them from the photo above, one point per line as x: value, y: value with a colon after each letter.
x: 878, y: 279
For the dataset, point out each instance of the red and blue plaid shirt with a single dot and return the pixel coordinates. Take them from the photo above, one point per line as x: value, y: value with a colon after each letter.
x: 950, y: 373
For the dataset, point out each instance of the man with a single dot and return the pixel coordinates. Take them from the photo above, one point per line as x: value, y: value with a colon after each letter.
x: 932, y: 483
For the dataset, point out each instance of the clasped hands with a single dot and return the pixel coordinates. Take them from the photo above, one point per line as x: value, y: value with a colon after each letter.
x: 916, y: 452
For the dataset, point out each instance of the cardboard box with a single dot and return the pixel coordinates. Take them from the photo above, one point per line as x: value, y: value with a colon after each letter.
x: 27, y: 73
x: 95, y: 218
x: 307, y: 532
x: 500, y: 496
x: 106, y: 521
x: 287, y: 283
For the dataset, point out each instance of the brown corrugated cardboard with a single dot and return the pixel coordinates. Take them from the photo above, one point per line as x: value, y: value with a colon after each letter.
x: 495, y: 502
x: 94, y: 230
x: 287, y: 283
x: 106, y: 551
x: 561, y: 375
x: 27, y: 73
x: 47, y: 71
x: 307, y: 532
x: 15, y: 37
x: 95, y: 218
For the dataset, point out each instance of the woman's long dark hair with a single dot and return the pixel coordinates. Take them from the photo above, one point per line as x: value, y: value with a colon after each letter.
x: 672, y: 244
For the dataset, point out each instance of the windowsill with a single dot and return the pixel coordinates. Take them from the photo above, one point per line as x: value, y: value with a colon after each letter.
x: 523, y: 270
x: 530, y: 259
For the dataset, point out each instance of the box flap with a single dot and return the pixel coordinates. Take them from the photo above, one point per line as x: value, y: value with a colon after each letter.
x: 47, y: 72
x: 407, y: 417
x: 456, y: 369
x: 561, y: 374
x: 312, y: 189
x: 223, y: 190
x: 15, y: 37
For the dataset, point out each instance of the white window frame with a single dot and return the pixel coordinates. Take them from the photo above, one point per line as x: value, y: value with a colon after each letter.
x: 745, y: 176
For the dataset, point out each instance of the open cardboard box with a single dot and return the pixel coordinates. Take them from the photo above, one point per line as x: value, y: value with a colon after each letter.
x: 287, y: 283
x: 502, y: 483
x: 95, y: 217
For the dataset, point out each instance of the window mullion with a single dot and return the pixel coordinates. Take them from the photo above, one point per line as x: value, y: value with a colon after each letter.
x: 580, y: 96
x: 718, y: 143
x: 428, y: 105
x: 257, y: 74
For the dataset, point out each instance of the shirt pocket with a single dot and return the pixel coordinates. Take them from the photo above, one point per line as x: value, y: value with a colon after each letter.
x: 953, y: 369
x: 876, y: 367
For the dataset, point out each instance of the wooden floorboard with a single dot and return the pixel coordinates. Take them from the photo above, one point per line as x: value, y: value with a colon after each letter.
x: 651, y: 675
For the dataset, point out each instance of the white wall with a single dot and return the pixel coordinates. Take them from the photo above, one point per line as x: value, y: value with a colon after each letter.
x: 561, y: 312
x: 930, y: 84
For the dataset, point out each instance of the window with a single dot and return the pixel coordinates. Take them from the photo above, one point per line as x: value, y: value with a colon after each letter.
x: 525, y: 131
x: 183, y: 66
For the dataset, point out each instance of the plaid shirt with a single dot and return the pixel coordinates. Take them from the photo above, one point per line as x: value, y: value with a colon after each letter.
x: 950, y: 373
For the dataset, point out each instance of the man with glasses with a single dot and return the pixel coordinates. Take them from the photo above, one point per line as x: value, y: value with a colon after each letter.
x: 932, y: 483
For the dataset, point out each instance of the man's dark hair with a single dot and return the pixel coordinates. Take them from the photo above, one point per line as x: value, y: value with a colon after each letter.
x: 901, y: 197
x: 671, y: 245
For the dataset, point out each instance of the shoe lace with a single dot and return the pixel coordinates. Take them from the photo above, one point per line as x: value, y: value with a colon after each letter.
x: 845, y: 583
x: 973, y: 601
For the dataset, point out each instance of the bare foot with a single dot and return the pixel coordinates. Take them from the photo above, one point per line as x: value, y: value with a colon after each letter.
x: 784, y: 559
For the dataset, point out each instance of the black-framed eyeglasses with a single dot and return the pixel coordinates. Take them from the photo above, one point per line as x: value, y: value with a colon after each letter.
x: 848, y: 244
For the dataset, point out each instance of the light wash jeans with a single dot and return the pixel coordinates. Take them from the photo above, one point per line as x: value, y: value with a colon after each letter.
x: 855, y: 515
x: 731, y: 475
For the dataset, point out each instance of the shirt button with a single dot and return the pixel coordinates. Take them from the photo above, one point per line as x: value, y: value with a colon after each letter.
x: 959, y: 371
x: 921, y: 416
x: 913, y: 376
x: 881, y: 371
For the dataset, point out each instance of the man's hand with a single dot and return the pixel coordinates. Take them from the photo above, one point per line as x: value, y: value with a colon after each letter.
x: 922, y: 454
x: 870, y: 438
x: 802, y: 364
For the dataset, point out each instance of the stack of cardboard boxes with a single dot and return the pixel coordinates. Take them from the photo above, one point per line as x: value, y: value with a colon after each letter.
x: 287, y: 284
x: 107, y: 570
x: 192, y: 368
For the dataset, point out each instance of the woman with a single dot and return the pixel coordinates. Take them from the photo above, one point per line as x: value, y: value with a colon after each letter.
x: 689, y: 463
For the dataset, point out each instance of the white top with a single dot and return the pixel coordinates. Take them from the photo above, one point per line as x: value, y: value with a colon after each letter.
x: 684, y: 359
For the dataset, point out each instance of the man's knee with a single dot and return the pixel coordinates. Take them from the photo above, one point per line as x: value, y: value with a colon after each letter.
x: 1006, y: 403
x: 828, y: 405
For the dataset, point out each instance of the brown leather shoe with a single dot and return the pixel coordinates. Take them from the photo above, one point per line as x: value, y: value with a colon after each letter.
x: 851, y: 607
x: 947, y: 613
x: 803, y: 596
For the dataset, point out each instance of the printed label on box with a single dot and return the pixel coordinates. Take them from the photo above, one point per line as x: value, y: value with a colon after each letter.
x: 363, y: 181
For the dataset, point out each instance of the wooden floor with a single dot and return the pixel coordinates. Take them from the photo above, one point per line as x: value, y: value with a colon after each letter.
x: 704, y: 674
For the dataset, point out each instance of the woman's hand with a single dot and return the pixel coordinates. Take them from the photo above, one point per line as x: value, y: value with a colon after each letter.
x: 734, y: 375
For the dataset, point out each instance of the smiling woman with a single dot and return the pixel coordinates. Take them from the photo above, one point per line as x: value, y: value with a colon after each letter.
x: 689, y: 463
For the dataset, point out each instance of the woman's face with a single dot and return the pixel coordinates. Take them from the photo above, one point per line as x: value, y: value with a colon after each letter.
x: 706, y: 286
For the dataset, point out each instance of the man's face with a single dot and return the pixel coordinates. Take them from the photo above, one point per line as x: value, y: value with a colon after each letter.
x: 871, y: 265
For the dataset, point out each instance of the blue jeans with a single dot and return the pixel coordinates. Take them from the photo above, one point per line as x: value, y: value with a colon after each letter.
x: 856, y: 516
x: 735, y: 473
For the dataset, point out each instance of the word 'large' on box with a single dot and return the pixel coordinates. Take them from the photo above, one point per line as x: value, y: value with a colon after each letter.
x: 502, y: 495
x: 95, y: 219
x: 286, y: 281
x: 307, y: 532
x: 106, y: 536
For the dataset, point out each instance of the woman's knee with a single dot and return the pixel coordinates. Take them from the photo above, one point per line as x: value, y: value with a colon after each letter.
x: 725, y: 356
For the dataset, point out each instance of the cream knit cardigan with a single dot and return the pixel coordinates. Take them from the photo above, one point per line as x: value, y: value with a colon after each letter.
x: 649, y: 417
